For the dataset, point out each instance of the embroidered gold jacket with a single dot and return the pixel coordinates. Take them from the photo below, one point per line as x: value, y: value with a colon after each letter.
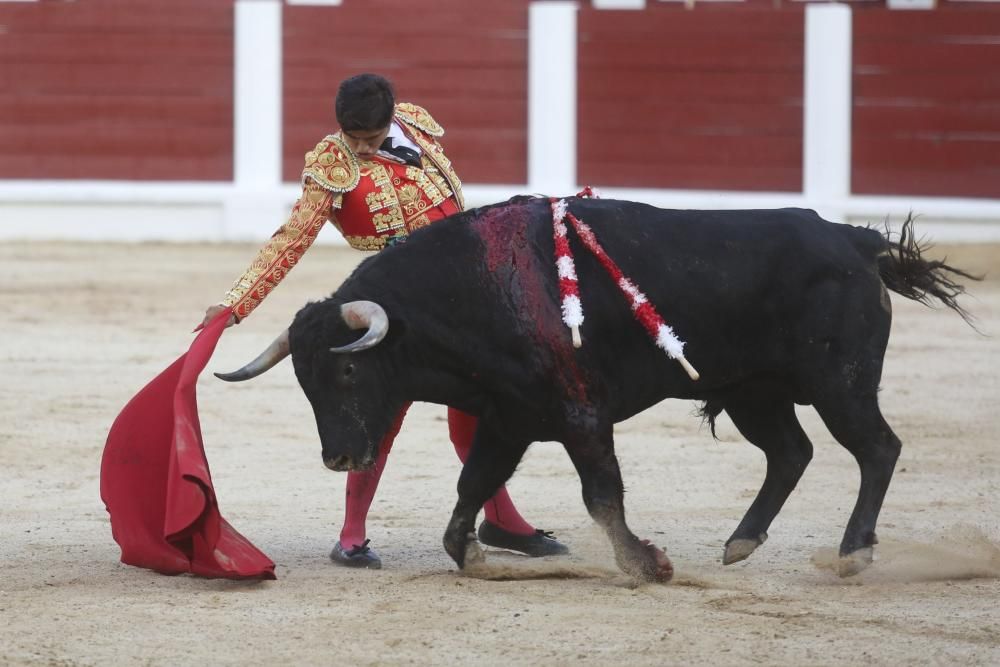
x: 370, y: 202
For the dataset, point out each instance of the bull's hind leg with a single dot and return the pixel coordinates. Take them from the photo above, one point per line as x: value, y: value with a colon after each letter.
x: 491, y: 462
x: 857, y: 424
x: 593, y: 456
x: 769, y: 423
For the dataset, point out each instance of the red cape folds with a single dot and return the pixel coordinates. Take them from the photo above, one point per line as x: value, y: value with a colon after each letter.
x: 156, y: 484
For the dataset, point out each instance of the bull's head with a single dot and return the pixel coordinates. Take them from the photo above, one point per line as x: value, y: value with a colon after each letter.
x: 344, y: 383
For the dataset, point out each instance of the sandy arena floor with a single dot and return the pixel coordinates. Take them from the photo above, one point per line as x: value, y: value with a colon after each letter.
x: 85, y: 326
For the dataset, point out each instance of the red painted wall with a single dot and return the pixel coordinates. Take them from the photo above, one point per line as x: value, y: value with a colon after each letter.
x: 706, y: 99
x: 109, y: 90
x: 927, y: 102
x: 464, y: 60
x: 671, y: 98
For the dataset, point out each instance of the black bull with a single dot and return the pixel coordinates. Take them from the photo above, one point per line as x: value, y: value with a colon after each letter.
x: 777, y: 308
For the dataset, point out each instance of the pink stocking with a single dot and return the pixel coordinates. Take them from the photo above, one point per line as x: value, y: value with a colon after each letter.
x: 361, y: 487
x: 500, y: 510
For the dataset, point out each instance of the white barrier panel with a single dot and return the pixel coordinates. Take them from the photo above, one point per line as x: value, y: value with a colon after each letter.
x: 826, y: 167
x: 552, y: 96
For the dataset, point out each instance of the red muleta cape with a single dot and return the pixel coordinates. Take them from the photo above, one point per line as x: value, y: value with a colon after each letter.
x: 156, y: 484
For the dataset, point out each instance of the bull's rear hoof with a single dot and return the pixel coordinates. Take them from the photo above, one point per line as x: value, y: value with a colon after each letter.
x: 738, y: 550
x: 855, y: 562
x: 741, y: 548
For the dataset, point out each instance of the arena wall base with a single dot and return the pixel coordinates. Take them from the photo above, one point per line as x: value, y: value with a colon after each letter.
x: 221, y: 212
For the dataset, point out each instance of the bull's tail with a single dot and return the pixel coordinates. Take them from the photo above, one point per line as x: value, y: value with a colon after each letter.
x: 905, y: 271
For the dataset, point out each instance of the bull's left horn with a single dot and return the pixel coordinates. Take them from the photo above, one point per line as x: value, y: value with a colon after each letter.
x: 267, y: 359
x: 364, y: 315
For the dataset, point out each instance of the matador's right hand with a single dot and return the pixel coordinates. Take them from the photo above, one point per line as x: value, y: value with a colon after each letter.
x: 212, y: 312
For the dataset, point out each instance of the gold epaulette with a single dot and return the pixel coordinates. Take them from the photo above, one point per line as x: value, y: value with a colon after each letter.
x: 417, y: 116
x: 332, y: 165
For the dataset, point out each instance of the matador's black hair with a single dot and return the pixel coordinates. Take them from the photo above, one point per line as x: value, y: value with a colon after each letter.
x: 365, y: 102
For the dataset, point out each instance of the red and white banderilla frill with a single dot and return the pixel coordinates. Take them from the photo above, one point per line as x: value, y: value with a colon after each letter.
x: 569, y: 289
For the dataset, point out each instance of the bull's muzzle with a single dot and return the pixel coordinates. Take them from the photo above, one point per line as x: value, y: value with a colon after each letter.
x: 346, y: 463
x: 339, y: 463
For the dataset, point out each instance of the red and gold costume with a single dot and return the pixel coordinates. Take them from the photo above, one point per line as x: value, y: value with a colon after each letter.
x: 371, y: 202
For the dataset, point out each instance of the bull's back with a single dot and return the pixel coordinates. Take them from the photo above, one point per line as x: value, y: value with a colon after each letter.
x: 745, y: 291
x: 716, y: 263
x: 738, y: 287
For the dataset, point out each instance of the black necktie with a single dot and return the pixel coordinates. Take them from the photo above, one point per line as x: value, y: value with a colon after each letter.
x: 407, y: 155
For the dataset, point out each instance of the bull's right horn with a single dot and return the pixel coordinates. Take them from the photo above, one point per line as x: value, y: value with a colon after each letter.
x: 362, y: 315
x: 275, y: 352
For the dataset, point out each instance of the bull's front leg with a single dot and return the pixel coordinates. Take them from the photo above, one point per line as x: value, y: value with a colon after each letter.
x: 603, y: 493
x: 492, y: 460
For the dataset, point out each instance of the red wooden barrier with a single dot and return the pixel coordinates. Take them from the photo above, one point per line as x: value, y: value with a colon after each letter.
x: 705, y: 99
x: 109, y: 90
x: 927, y: 102
x: 668, y: 98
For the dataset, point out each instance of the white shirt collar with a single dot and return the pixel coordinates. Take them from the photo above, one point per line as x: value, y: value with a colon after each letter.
x: 399, y: 138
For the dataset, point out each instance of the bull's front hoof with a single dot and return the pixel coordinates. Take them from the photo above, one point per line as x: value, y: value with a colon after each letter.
x: 740, y: 549
x: 647, y: 562
x: 855, y: 562
x: 664, y: 568
x: 464, y: 551
x: 473, y: 553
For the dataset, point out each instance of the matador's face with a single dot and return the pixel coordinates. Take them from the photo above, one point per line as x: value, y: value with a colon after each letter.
x: 365, y: 143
